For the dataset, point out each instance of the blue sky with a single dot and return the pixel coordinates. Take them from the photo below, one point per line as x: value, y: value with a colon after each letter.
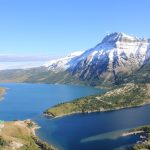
x: 56, y: 27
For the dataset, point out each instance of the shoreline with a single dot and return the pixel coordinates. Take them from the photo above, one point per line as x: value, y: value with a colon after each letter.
x: 144, y: 137
x: 21, y: 134
x: 42, y: 144
x: 132, y: 133
x: 129, y: 96
x: 95, y: 111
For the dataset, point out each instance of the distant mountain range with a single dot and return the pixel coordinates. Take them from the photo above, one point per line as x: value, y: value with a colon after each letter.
x: 119, y: 58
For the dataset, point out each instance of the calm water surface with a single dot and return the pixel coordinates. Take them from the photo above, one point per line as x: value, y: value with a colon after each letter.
x: 96, y: 131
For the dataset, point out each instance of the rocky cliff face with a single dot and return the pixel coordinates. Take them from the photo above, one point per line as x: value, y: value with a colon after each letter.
x: 118, y: 55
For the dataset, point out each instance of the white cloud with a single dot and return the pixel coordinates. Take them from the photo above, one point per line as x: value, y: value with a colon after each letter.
x: 21, y: 62
x: 20, y: 65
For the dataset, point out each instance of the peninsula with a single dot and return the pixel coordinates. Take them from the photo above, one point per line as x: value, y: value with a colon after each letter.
x: 128, y: 95
x: 144, y: 137
x: 20, y: 135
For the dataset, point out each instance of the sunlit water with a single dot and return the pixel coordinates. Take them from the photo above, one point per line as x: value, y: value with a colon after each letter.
x: 95, y: 131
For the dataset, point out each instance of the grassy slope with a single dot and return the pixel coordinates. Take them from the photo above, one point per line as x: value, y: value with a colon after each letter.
x: 129, y: 95
x: 43, y: 75
x: 19, y: 133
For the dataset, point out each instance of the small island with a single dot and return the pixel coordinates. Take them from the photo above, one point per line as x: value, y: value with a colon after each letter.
x: 20, y: 135
x: 128, y: 95
x: 144, y: 138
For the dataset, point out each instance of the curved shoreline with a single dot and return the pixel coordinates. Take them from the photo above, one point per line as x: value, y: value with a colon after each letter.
x: 132, y: 133
x: 44, y: 145
x: 95, y: 111
x: 21, y: 135
x: 129, y: 96
x: 144, y: 137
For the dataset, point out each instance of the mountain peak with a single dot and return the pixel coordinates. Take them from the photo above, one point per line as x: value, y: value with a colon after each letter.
x: 118, y: 36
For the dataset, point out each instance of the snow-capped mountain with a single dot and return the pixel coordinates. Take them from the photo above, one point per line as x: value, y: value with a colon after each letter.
x: 117, y: 59
x: 118, y: 54
x: 62, y: 63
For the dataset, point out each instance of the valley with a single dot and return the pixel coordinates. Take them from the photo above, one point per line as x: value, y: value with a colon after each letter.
x: 74, y: 75
x: 119, y: 64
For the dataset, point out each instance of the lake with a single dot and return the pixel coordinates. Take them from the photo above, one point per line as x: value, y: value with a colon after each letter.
x: 96, y: 131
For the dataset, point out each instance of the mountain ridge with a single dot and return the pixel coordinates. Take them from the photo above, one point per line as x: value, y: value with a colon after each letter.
x: 117, y: 53
x: 115, y: 60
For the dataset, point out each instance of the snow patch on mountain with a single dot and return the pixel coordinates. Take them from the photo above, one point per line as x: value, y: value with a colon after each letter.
x: 116, y: 53
x: 62, y: 63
